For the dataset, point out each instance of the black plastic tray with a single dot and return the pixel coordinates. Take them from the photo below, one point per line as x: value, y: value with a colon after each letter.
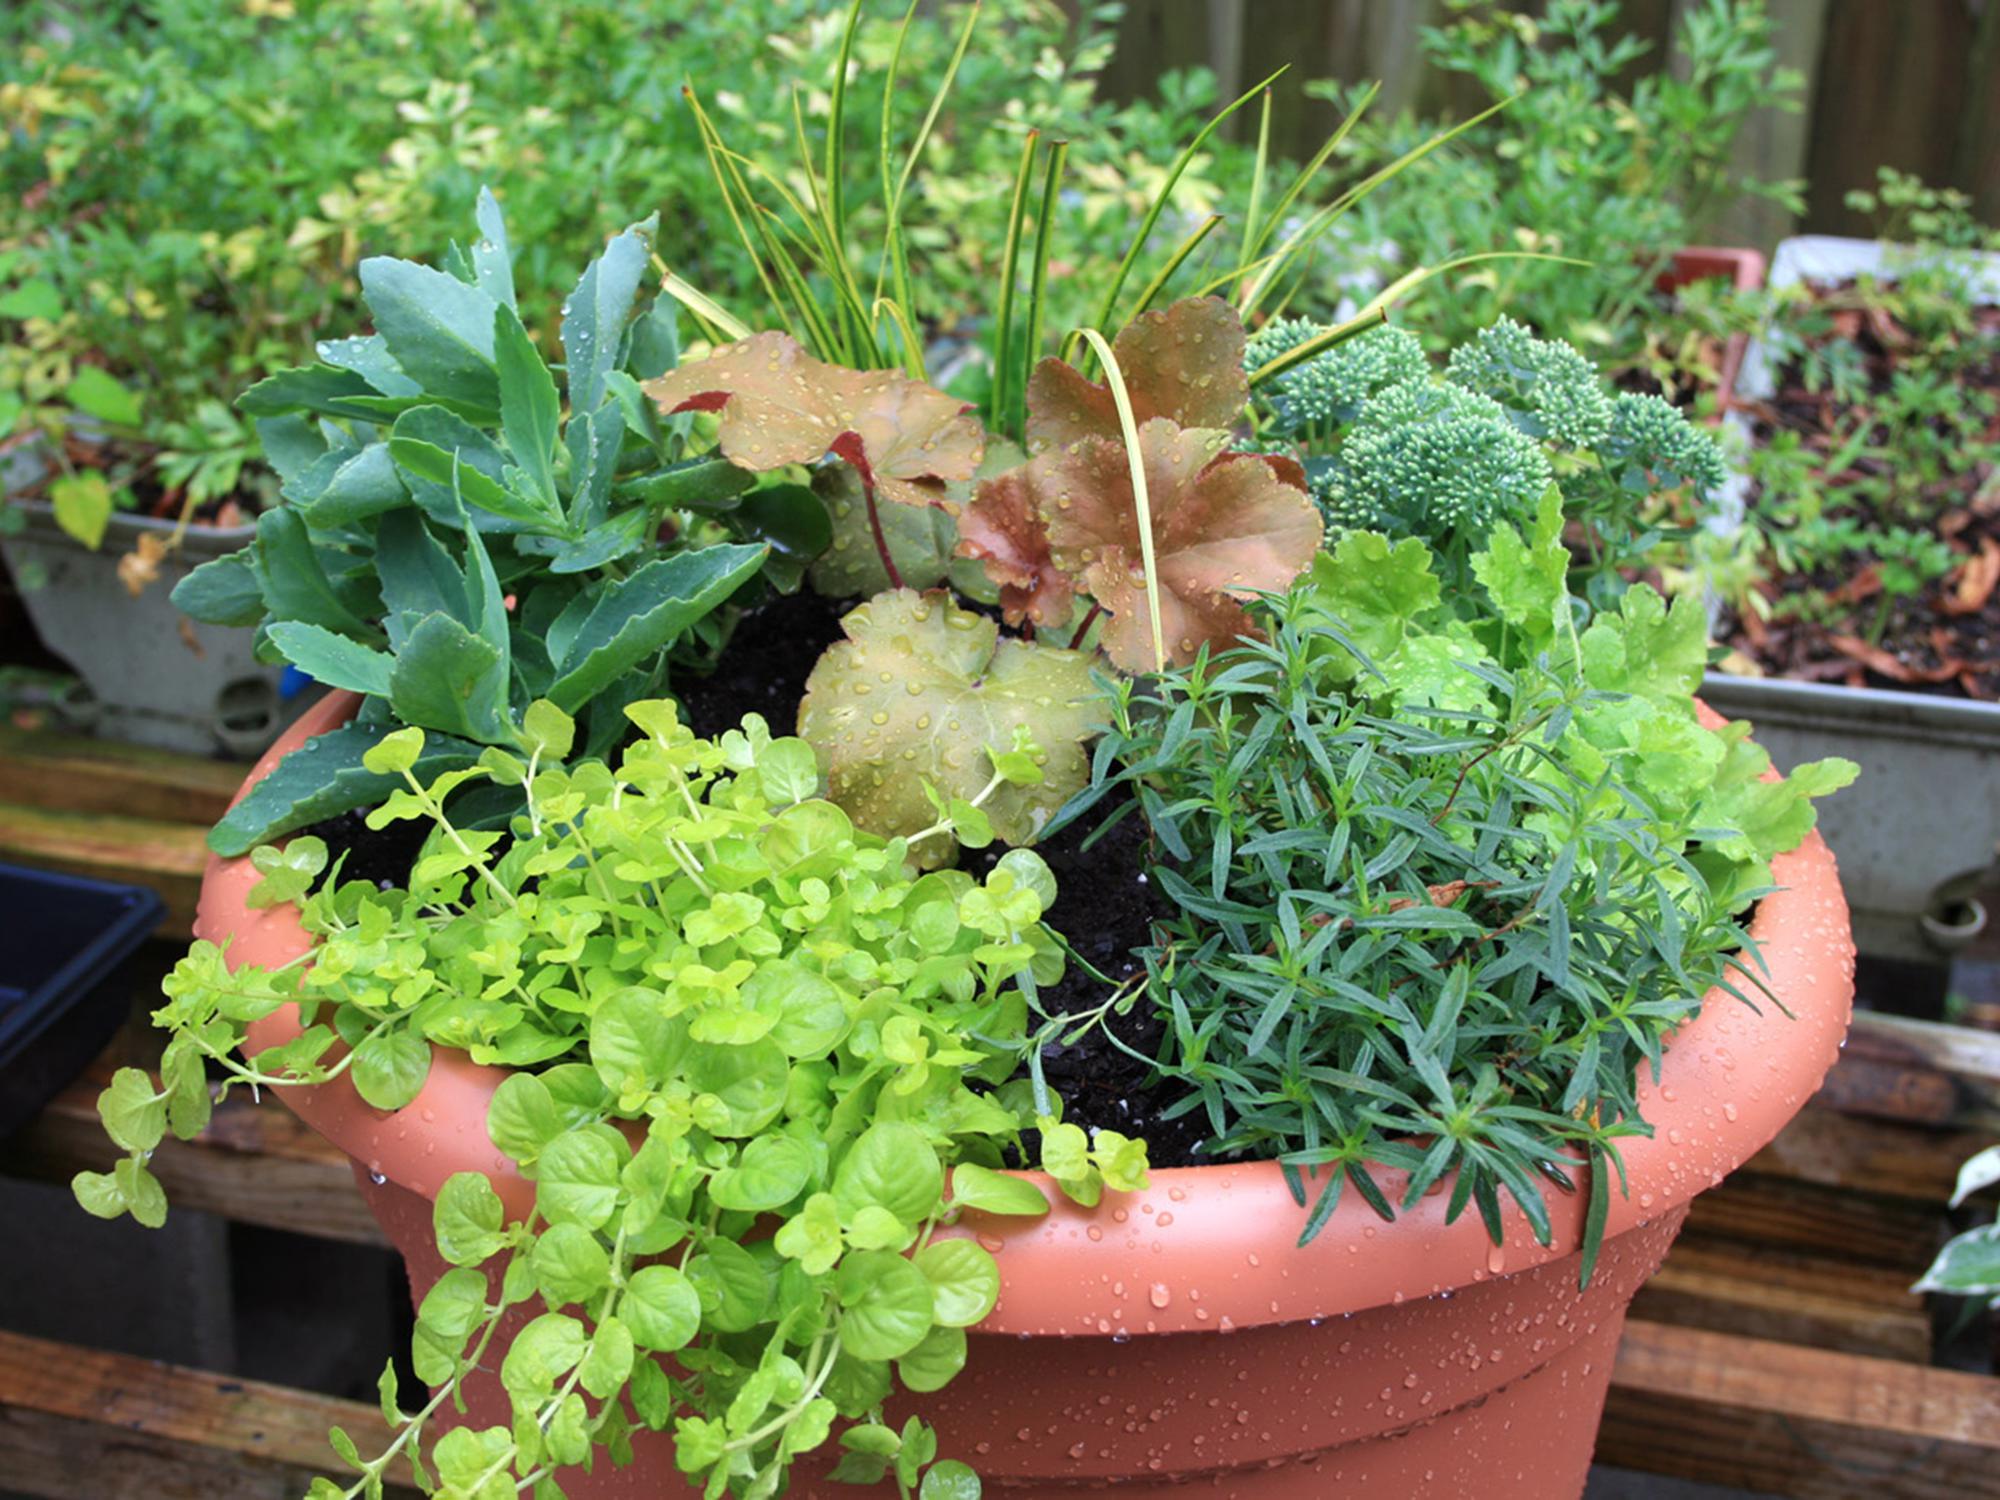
x: 63, y: 940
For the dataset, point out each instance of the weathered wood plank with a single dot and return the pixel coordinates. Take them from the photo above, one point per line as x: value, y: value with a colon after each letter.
x: 80, y: 774
x: 257, y: 1163
x: 1751, y: 1209
x: 78, y: 1422
x: 1804, y: 1423
x: 1921, y: 1072
x: 166, y: 856
x: 1818, y: 1300
x: 1881, y: 1158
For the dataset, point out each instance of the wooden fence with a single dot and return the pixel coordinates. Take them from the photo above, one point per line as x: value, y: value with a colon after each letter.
x: 1913, y: 84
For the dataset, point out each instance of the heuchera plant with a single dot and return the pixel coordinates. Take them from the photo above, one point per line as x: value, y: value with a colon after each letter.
x: 743, y: 1014
x: 1132, y: 498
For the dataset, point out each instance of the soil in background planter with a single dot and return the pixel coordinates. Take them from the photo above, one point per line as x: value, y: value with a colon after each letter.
x: 131, y: 465
x: 1944, y: 640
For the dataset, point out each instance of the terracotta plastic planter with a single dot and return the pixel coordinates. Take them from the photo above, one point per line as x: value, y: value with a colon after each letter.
x: 1178, y: 1337
x: 1743, y: 269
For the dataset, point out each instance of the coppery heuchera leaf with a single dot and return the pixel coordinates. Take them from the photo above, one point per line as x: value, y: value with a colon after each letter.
x: 1003, y: 528
x: 919, y: 692
x: 1225, y: 525
x: 1184, y: 362
x: 781, y: 406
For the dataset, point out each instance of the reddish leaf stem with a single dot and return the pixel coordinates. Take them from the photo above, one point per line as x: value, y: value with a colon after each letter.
x: 1084, y: 629
x: 875, y: 525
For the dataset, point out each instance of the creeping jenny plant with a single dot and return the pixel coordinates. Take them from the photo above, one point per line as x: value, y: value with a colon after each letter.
x: 744, y: 1012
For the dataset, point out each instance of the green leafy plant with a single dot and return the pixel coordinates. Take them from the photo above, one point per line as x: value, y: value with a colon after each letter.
x: 1583, y: 164
x: 730, y: 1010
x: 453, y: 543
x: 142, y: 230
x: 1447, y: 870
x: 1969, y: 1265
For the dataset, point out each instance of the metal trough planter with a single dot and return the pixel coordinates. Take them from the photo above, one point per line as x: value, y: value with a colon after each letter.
x: 1912, y: 850
x: 151, y: 675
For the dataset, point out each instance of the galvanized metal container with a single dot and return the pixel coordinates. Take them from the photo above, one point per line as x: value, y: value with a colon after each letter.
x: 1923, y: 828
x: 153, y: 676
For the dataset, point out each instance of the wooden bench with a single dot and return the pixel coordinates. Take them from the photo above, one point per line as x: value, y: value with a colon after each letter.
x: 1778, y: 1349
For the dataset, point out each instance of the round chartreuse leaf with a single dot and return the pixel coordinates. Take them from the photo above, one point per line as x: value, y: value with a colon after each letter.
x: 886, y: 1305
x: 661, y: 1308
x: 772, y: 1171
x: 891, y: 1166
x: 965, y: 1283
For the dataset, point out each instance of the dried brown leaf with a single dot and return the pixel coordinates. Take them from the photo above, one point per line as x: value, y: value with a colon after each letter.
x: 781, y: 406
x: 1451, y: 890
x: 1885, y: 664
x: 141, y: 565
x: 1977, y: 577
x: 1183, y: 362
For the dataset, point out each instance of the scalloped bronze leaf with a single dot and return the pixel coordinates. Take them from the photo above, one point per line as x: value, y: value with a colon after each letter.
x: 781, y: 406
x: 1183, y: 362
x: 1225, y: 525
x: 1004, y: 530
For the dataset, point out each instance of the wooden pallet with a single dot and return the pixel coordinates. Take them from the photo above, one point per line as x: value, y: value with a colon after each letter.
x: 1778, y: 1349
x: 77, y: 1424
x: 118, y: 812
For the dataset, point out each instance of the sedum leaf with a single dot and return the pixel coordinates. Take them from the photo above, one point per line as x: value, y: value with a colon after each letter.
x: 325, y: 776
x: 529, y: 409
x: 921, y: 691
x: 333, y: 659
x: 643, y: 613
x: 222, y: 591
x: 595, y: 316
x: 438, y: 329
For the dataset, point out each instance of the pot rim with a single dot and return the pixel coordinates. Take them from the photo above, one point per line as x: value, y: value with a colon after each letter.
x: 1205, y: 1249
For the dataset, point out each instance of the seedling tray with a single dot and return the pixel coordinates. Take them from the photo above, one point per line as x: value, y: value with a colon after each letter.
x: 63, y: 941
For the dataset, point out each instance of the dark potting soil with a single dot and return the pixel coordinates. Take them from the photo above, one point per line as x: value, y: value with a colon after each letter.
x: 382, y: 856
x: 1105, y: 906
x: 764, y: 667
